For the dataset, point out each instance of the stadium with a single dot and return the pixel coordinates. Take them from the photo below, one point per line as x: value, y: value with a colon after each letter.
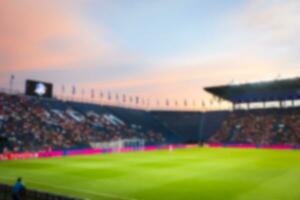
x: 80, y: 131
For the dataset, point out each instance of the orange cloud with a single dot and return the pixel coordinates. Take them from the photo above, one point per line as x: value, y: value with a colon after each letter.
x: 188, y: 81
x: 50, y: 34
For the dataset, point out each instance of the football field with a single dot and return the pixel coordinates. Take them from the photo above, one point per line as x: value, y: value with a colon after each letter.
x: 187, y: 174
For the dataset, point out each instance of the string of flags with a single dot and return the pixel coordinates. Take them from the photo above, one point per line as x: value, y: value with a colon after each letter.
x: 110, y: 97
x: 138, y: 100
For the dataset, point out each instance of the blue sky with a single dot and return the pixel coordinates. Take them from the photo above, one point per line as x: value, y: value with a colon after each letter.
x: 158, y: 49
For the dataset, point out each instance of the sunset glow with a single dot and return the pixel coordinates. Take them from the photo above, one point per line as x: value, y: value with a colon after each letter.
x: 167, y: 49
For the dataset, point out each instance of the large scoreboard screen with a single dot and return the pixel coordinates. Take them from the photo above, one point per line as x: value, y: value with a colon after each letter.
x: 38, y: 88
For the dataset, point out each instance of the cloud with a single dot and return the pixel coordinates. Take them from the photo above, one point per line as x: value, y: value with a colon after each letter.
x: 184, y: 81
x: 273, y: 26
x: 51, y: 34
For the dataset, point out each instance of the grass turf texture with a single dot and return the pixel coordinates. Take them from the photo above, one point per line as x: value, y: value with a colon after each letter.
x: 190, y: 174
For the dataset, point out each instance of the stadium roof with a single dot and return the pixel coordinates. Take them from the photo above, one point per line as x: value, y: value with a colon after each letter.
x: 276, y: 90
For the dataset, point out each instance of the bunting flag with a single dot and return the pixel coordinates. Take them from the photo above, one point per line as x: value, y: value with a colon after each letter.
x: 11, y: 82
x: 124, y: 98
x: 12, y: 78
x: 82, y: 92
x: 101, y: 95
x: 73, y: 90
x: 176, y: 103
x: 185, y: 103
x: 117, y: 97
x: 92, y: 93
x: 167, y: 102
x: 137, y: 99
x: 130, y: 99
x: 63, y: 89
x: 108, y: 96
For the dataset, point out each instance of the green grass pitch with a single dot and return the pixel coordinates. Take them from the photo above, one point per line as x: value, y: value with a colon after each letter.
x: 188, y: 174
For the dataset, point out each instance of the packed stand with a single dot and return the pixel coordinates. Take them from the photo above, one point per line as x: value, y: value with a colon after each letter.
x: 263, y: 127
x: 28, y: 125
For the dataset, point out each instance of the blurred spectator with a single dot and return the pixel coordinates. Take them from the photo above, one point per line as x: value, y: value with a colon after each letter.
x: 31, y: 125
x: 260, y: 127
x: 18, y: 190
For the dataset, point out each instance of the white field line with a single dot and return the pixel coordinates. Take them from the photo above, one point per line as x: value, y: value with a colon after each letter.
x: 101, y: 194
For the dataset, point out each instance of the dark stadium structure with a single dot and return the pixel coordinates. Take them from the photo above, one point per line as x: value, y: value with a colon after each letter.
x: 278, y: 90
x: 259, y: 126
x: 31, y: 124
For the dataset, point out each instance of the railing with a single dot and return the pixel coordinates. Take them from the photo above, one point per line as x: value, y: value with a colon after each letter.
x: 6, y: 192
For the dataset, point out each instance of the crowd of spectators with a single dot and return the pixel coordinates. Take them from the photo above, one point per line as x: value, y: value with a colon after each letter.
x: 29, y: 125
x: 263, y: 127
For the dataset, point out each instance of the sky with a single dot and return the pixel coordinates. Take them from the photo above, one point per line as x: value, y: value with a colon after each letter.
x: 158, y: 49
